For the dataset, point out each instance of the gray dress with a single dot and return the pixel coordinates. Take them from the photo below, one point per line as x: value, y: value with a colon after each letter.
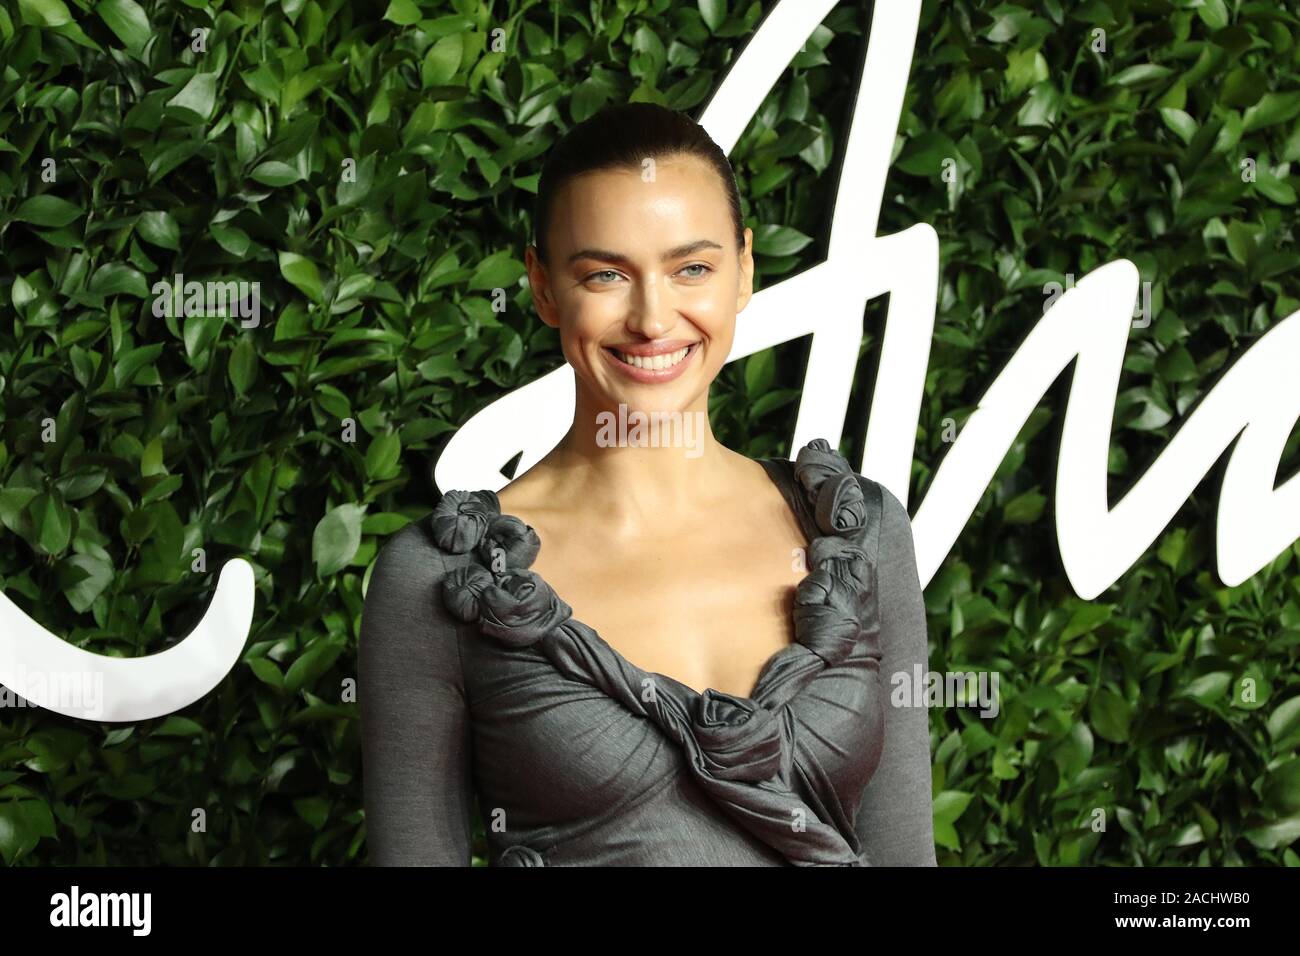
x: 478, y: 684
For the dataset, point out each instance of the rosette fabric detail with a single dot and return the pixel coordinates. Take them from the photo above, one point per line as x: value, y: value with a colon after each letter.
x: 520, y: 855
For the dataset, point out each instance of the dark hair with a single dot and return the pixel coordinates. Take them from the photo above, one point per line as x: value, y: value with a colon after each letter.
x: 621, y: 137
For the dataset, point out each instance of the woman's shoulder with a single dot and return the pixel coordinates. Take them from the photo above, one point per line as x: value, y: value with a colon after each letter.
x: 412, y: 546
x: 821, y: 476
x: 428, y: 548
x: 408, y: 638
x: 892, y: 509
x: 834, y: 493
x: 895, y: 526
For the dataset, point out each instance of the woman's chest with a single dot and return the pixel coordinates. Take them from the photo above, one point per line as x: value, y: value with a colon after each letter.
x: 566, y: 731
x: 709, y: 614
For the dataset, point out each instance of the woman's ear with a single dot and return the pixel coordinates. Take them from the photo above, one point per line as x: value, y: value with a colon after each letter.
x: 541, y: 289
x: 745, y: 290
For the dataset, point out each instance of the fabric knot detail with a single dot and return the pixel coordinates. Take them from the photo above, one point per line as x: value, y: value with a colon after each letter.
x: 460, y: 519
x: 520, y: 855
x: 828, y: 603
x: 848, y: 562
x: 831, y: 488
x: 508, y: 544
x: 739, y: 739
x: 841, y: 507
x: 462, y: 591
x: 521, y: 609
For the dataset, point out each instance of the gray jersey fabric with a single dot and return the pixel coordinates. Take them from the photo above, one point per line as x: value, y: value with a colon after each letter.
x: 478, y: 684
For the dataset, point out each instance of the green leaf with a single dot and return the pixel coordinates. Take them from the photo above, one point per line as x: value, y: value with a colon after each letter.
x: 760, y: 371
x: 945, y: 835
x: 266, y: 672
x: 773, y: 240
x: 99, y: 574
x: 1208, y: 688
x: 587, y: 99
x: 304, y: 671
x: 129, y: 363
x: 178, y: 726
x: 1273, y: 835
x: 1282, y: 786
x: 116, y: 278
x: 949, y: 805
x: 53, y: 523
x: 14, y: 501
x: 1086, y: 618
x: 197, y: 98
x: 1110, y: 715
x: 925, y: 154
x: 243, y: 365
x: 1141, y: 73
x: 1281, y: 722
x: 1272, y: 108
x: 46, y: 210
x: 713, y: 12
x: 1278, y: 190
x: 384, y: 523
x: 302, y: 274
x: 1243, y: 87
x: 314, y: 811
x: 1074, y: 751
x: 160, y: 228
x: 151, y: 461
x: 1025, y: 508
x: 275, y: 173
x: 16, y: 836
x: 498, y: 271
x: 336, y: 539
x: 230, y: 238
x: 402, y: 12
x: 1178, y: 121
x: 1214, y: 13
x: 442, y: 61
x: 128, y: 21
x: 44, y: 13
x: 382, y: 457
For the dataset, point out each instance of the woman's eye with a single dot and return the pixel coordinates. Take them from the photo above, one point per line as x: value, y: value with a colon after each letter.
x: 602, y: 272
x: 699, y: 265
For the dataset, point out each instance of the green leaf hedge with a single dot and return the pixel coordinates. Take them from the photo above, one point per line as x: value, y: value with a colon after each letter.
x: 371, y: 167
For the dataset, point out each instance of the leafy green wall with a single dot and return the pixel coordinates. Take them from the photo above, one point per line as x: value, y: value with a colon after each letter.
x: 228, y: 162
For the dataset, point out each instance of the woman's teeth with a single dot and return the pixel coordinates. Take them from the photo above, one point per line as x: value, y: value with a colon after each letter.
x: 664, y: 360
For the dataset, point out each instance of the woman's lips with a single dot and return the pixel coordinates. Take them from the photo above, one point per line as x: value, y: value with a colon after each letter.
x: 650, y: 376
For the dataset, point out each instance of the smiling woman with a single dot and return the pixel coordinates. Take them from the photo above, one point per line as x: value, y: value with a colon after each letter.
x: 695, y: 669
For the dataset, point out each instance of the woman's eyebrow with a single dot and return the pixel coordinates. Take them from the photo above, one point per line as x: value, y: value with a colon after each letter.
x: 677, y: 252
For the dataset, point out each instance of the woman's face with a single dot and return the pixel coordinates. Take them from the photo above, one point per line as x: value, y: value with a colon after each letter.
x: 645, y: 283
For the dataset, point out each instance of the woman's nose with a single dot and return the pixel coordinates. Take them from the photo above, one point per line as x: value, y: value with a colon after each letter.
x: 652, y: 313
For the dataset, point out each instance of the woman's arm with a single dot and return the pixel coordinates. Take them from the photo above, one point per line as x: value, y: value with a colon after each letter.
x: 895, y: 820
x: 415, y: 743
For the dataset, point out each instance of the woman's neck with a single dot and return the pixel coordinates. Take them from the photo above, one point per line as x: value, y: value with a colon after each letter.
x: 641, y: 470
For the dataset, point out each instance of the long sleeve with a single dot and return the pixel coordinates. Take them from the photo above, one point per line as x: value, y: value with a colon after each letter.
x: 895, y: 819
x: 416, y: 776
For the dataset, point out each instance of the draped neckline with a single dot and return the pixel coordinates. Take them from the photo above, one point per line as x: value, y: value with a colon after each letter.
x: 815, y: 487
x: 809, y: 532
x: 742, y: 750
